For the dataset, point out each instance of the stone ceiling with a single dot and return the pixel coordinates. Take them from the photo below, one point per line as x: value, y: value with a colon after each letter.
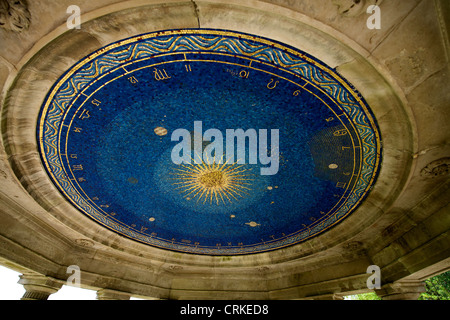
x: 94, y: 191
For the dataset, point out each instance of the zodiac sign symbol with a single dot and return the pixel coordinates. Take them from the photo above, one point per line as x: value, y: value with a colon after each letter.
x: 341, y: 132
x: 159, y: 75
x: 271, y: 87
x: 85, y: 114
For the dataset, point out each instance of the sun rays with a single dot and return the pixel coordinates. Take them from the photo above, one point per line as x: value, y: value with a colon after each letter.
x: 212, y: 182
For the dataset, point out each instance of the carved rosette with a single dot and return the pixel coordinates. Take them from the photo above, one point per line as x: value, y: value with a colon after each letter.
x: 14, y: 15
x: 436, y: 168
x: 353, y: 8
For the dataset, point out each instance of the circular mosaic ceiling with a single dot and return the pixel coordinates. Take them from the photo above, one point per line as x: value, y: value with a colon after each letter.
x: 209, y: 142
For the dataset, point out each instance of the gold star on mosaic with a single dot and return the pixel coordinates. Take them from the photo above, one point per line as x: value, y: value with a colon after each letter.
x: 213, y: 182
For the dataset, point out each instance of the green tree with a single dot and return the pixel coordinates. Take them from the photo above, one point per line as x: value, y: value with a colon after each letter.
x: 438, y: 288
x: 366, y: 296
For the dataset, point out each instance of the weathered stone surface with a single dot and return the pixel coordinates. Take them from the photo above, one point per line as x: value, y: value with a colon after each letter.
x: 402, y: 72
x: 420, y: 53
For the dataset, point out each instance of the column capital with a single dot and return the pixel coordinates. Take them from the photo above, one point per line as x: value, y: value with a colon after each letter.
x: 39, y: 287
x: 401, y: 290
x: 107, y: 294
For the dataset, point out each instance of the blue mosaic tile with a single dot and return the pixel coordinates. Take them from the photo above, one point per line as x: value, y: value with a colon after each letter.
x: 105, y: 129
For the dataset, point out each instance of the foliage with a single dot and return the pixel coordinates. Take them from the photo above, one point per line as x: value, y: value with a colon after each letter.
x: 438, y: 288
x: 366, y: 296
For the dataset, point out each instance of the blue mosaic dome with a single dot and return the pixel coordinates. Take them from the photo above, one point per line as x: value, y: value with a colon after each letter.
x: 106, y: 135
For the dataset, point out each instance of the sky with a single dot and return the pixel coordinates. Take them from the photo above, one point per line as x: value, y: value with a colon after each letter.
x: 11, y: 290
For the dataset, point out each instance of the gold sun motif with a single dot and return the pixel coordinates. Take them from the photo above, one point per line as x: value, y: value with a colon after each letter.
x: 213, y: 182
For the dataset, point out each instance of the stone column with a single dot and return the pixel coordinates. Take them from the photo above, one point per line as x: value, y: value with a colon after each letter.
x: 39, y: 287
x: 401, y: 290
x: 106, y: 294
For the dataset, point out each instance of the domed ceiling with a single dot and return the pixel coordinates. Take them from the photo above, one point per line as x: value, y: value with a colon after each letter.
x: 209, y: 142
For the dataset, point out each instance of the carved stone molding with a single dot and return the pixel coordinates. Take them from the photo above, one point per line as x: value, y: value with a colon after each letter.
x: 436, y: 168
x: 246, y: 274
x: 353, y: 245
x: 401, y: 290
x: 39, y: 287
x: 14, y: 15
x: 84, y: 242
x: 105, y: 294
x: 353, y: 8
